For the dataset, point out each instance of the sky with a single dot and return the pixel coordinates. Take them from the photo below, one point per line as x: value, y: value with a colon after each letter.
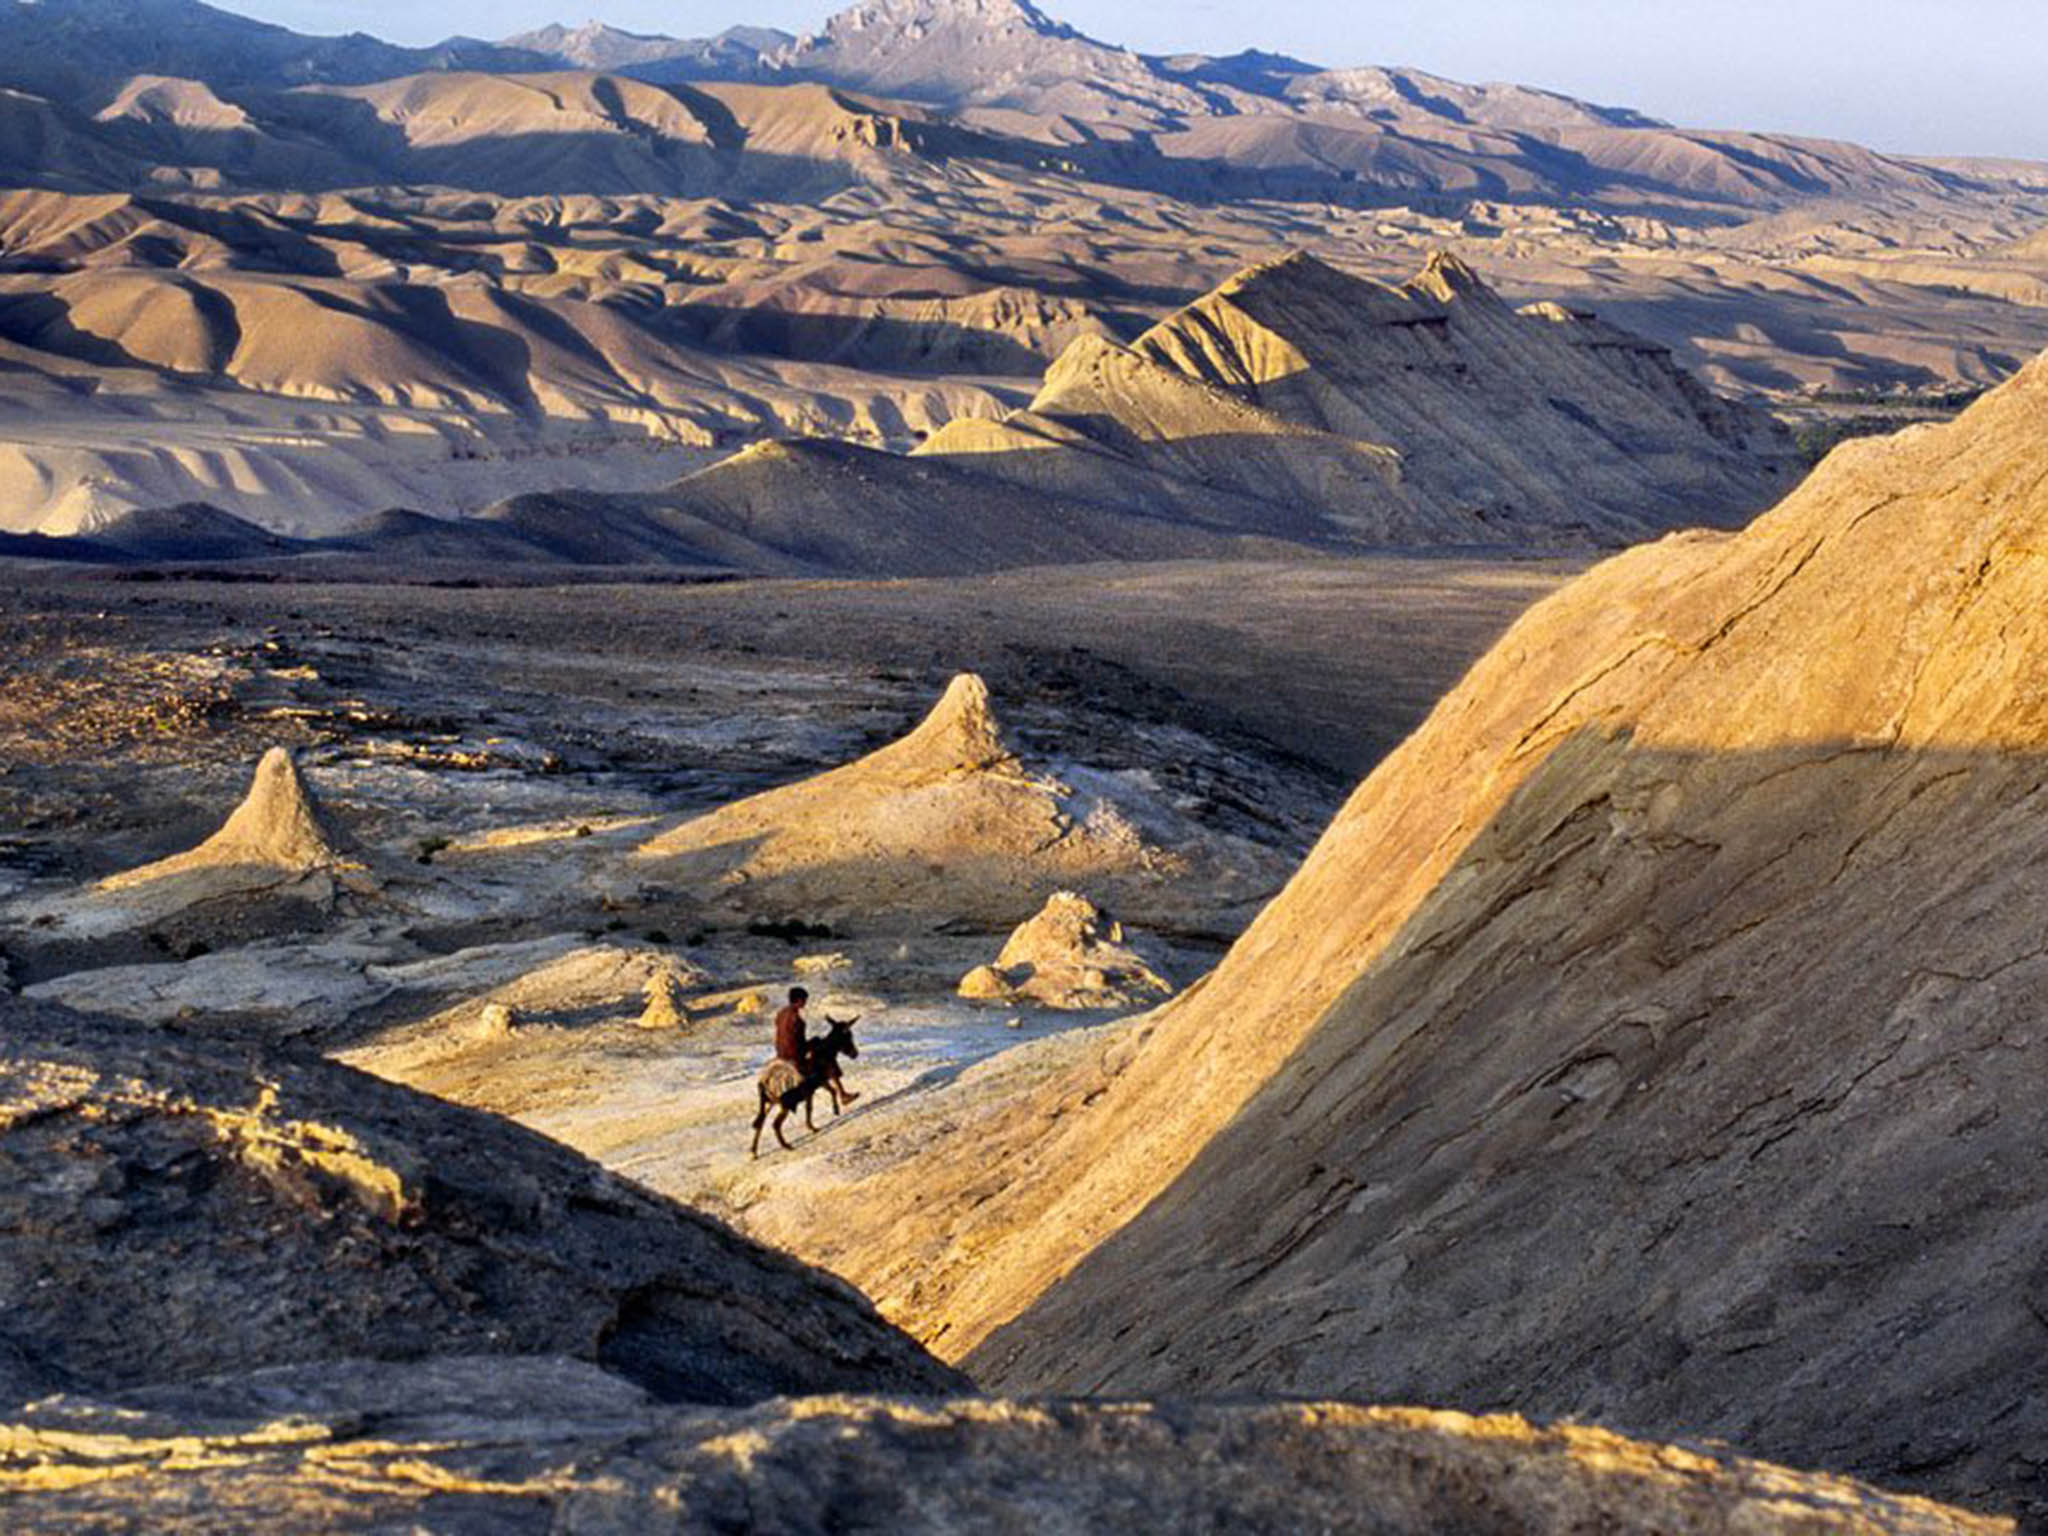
x: 1923, y: 76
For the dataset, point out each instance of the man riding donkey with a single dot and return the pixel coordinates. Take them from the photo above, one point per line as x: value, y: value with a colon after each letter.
x: 802, y: 1066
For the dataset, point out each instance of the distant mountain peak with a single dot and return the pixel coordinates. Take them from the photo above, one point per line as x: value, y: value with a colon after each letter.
x: 882, y: 26
x: 994, y: 14
x: 602, y: 46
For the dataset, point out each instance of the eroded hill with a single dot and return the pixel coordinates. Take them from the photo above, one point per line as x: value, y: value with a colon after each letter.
x: 1296, y: 407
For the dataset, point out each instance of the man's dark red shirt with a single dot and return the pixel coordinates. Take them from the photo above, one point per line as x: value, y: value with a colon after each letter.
x: 789, y: 1035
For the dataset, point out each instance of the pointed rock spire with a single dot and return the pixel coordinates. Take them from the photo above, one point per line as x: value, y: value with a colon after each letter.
x: 1071, y: 955
x: 277, y: 826
x: 664, y: 1008
x: 278, y: 822
x: 960, y: 735
x: 1445, y: 277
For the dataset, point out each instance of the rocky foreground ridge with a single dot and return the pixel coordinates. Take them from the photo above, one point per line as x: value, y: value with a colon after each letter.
x: 252, y: 1291
x: 173, y: 1209
x: 466, y: 1445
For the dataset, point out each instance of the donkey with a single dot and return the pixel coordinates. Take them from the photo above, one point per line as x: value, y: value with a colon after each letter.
x: 783, y: 1085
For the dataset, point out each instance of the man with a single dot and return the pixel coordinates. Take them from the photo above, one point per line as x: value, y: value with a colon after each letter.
x: 792, y: 1035
x: 790, y: 1030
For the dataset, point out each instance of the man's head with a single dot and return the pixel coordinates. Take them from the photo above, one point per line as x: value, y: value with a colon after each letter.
x: 798, y: 997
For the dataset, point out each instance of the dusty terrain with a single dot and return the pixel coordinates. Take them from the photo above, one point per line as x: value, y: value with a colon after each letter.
x: 181, y: 679
x: 492, y: 776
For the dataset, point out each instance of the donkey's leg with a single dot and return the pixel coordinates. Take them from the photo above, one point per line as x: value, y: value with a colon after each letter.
x: 781, y: 1115
x: 810, y: 1124
x: 760, y: 1120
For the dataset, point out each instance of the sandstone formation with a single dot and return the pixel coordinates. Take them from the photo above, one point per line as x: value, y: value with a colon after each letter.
x: 1295, y: 408
x: 1071, y: 955
x: 949, y: 826
x: 552, y: 984
x: 175, y: 1209
x: 276, y: 864
x: 664, y: 1008
x: 461, y: 1444
x: 1651, y: 1037
x: 277, y: 834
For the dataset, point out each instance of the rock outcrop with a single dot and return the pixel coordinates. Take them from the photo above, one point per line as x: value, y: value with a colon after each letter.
x: 664, y: 1007
x: 1296, y: 407
x: 1072, y: 955
x: 277, y: 834
x: 949, y: 825
x: 1651, y: 1038
x: 173, y: 1209
x: 276, y: 865
x: 581, y: 986
x: 461, y: 1444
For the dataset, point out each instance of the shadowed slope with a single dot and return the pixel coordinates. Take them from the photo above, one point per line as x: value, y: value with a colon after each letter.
x: 211, y: 1208
x: 819, y: 507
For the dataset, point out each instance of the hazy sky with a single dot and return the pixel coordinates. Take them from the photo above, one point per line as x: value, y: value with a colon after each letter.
x: 1932, y: 76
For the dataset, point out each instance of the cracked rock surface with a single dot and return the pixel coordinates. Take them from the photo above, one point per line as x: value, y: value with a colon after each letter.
x: 465, y: 1445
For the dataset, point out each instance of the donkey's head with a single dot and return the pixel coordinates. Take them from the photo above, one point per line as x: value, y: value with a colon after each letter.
x: 840, y: 1036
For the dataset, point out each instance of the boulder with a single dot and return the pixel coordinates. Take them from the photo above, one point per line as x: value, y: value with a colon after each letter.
x: 1072, y: 955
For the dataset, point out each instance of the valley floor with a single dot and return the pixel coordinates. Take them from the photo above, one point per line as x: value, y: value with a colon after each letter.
x: 504, y: 747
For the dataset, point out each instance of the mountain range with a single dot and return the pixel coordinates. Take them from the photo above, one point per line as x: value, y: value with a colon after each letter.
x: 1295, y: 408
x: 311, y: 280
x: 1247, y: 124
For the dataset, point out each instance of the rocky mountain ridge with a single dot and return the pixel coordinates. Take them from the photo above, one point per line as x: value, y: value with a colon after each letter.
x: 1267, y: 126
x: 1296, y: 406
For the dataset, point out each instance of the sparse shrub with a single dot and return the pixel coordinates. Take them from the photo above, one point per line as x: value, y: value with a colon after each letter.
x: 790, y: 930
